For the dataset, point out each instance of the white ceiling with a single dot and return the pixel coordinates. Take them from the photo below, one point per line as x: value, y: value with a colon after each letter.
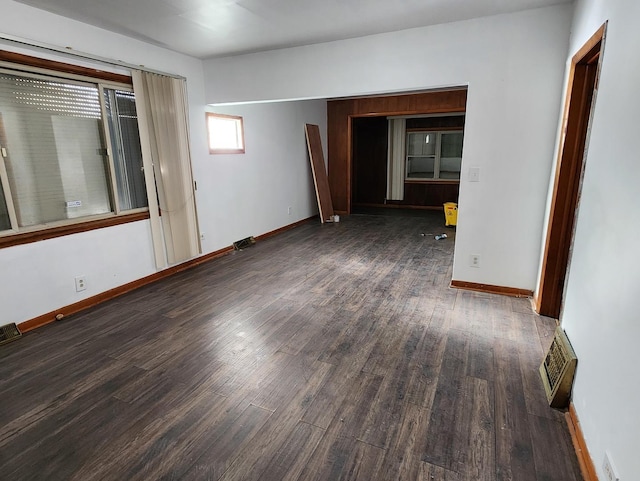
x: 215, y: 28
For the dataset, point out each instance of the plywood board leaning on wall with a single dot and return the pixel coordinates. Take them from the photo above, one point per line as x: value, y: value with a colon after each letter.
x: 320, y: 179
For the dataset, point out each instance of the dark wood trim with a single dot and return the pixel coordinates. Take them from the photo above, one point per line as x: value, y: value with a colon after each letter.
x: 11, y: 240
x: 579, y: 444
x: 432, y: 181
x: 414, y: 111
x: 435, y: 129
x: 389, y: 205
x: 65, y: 311
x: 21, y: 59
x: 582, y: 84
x: 505, y: 291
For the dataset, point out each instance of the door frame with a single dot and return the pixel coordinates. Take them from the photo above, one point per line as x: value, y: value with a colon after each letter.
x: 576, y: 124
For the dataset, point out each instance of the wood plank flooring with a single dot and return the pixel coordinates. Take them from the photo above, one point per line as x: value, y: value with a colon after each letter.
x: 328, y: 352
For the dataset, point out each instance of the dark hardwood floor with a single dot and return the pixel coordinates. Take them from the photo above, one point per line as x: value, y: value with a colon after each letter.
x: 328, y: 352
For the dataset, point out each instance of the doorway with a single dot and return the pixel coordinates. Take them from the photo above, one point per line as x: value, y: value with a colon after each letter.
x: 429, y: 178
x: 581, y: 92
x: 340, y: 115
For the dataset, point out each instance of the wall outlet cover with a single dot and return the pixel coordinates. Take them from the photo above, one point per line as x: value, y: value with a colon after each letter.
x: 81, y: 283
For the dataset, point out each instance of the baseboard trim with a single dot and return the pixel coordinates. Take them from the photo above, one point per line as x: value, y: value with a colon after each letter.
x: 505, y: 291
x: 286, y: 228
x: 92, y: 301
x: 388, y: 205
x: 579, y: 444
x: 65, y: 311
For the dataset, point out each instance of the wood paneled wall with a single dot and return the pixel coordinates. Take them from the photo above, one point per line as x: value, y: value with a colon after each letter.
x: 340, y: 113
x: 428, y: 194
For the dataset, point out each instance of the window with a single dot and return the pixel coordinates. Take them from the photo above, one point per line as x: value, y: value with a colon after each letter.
x: 125, y: 148
x: 226, y: 134
x: 69, y: 151
x: 433, y: 155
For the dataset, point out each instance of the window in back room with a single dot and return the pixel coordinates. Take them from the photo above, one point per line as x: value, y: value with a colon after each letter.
x: 433, y: 155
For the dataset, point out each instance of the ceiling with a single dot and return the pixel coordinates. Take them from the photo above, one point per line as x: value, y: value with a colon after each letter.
x: 216, y: 28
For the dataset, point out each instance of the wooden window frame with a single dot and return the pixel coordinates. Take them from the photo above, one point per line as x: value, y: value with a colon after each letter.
x: 26, y: 63
x: 437, y: 157
x: 240, y: 122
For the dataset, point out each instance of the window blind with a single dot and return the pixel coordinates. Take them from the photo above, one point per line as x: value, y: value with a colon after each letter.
x: 55, y: 162
x: 162, y: 107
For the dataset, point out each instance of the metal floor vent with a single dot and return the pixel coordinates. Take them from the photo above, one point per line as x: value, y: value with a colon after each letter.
x: 557, y: 370
x: 244, y: 243
x: 9, y: 333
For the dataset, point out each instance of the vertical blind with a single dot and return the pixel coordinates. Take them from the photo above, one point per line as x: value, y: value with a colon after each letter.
x: 396, y: 159
x: 162, y: 111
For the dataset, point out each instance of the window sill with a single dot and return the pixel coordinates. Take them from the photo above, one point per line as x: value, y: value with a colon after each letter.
x: 226, y: 151
x: 431, y: 181
x: 11, y: 240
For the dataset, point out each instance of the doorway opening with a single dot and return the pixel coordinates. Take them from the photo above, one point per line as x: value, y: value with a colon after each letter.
x: 340, y: 123
x: 579, y: 103
x: 406, y: 161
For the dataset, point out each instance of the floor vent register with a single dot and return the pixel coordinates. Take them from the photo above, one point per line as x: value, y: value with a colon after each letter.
x: 9, y: 333
x: 558, y: 369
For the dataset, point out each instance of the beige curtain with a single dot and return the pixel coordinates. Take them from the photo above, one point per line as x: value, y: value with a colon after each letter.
x: 162, y: 115
x: 396, y: 159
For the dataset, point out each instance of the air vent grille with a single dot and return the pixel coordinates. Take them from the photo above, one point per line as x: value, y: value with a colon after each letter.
x: 557, y: 370
x: 9, y: 333
x: 244, y: 243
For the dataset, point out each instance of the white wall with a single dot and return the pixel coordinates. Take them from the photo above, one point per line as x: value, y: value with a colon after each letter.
x: 600, y: 313
x: 38, y: 278
x: 236, y: 196
x: 277, y: 160
x: 513, y: 65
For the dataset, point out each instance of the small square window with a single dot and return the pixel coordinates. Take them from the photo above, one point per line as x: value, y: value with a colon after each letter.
x: 226, y: 134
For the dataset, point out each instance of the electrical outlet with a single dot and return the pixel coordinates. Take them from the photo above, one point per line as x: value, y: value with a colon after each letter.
x: 289, y: 210
x: 474, y: 260
x: 202, y: 236
x: 474, y: 174
x: 609, y: 471
x: 81, y: 283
